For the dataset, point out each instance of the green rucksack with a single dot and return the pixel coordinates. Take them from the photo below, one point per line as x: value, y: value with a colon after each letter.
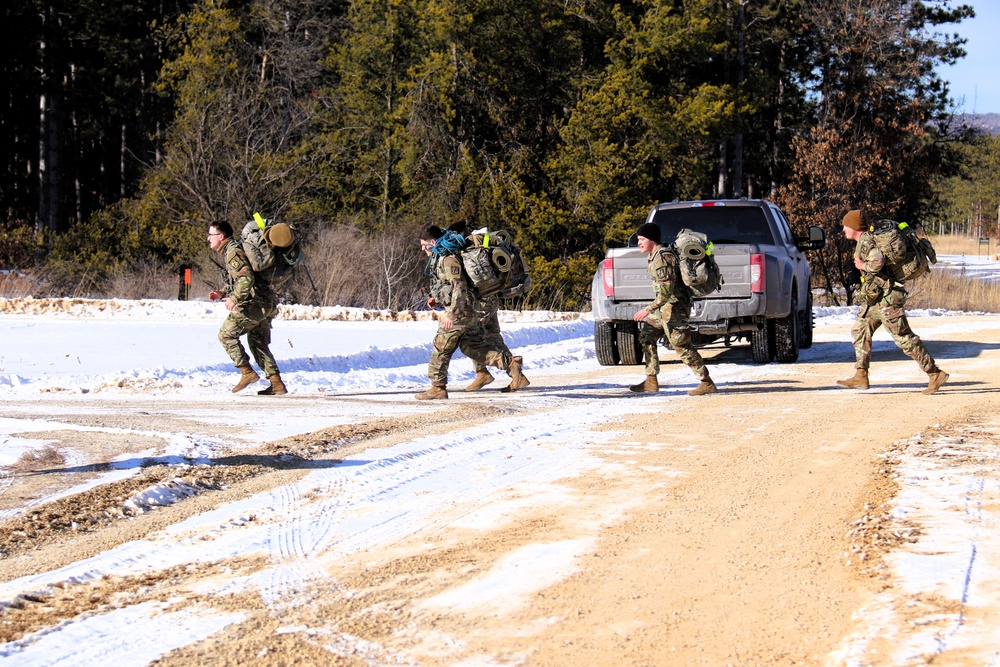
x: 273, y: 249
x: 698, y: 268
x: 495, y: 265
x: 907, y: 255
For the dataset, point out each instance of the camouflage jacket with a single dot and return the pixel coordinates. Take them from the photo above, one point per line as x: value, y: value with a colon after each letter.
x: 867, y: 251
x: 242, y: 284
x: 450, y: 288
x: 876, y: 286
x: 669, y: 293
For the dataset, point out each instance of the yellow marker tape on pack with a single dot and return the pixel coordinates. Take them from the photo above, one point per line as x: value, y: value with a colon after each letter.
x: 261, y: 222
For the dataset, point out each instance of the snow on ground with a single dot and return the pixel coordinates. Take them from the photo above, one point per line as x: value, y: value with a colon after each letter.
x: 84, y: 349
x: 950, y: 490
x: 173, y: 345
x: 980, y: 267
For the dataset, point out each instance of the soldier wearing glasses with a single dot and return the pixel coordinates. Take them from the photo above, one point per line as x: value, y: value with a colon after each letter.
x: 252, y: 305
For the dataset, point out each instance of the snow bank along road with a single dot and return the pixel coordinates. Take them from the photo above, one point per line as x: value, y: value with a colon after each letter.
x: 146, y: 514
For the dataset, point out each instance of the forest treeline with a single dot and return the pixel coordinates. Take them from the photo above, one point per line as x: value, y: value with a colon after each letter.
x: 129, y: 125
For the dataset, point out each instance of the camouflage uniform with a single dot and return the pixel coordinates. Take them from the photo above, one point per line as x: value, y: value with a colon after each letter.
x: 256, y: 306
x: 489, y: 307
x: 881, y: 301
x: 669, y: 311
x: 450, y: 289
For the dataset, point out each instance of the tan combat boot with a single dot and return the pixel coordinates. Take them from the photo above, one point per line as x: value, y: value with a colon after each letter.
x: 517, y: 379
x: 276, y: 389
x: 938, y: 378
x: 649, y: 384
x: 859, y: 381
x: 435, y: 392
x: 706, y: 386
x: 247, y: 377
x: 482, y: 379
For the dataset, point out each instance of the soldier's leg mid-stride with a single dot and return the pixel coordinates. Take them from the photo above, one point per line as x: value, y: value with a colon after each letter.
x: 468, y: 337
x: 493, y: 338
x: 893, y: 317
x: 680, y: 340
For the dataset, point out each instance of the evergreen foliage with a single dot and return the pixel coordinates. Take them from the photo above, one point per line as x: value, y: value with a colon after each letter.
x: 969, y: 198
x: 363, y: 121
x: 881, y: 113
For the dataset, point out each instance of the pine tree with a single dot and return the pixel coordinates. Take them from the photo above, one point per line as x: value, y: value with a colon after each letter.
x: 880, y: 110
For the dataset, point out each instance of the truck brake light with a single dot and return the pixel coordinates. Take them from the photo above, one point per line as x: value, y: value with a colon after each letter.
x: 608, y: 274
x: 756, y: 273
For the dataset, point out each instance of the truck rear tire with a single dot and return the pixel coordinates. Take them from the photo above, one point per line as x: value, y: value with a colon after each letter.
x: 762, y: 343
x: 606, y: 343
x: 786, y: 335
x: 629, y: 347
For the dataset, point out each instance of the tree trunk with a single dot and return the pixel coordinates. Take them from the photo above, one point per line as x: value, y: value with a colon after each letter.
x: 740, y: 75
x: 723, y: 159
x: 779, y: 122
x: 48, y: 215
x: 122, y: 154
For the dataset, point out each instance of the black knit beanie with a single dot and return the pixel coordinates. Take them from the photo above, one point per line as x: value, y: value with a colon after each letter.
x: 432, y: 232
x: 649, y: 231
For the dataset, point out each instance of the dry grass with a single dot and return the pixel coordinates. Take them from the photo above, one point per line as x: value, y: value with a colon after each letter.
x: 955, y: 244
x: 952, y: 292
x: 956, y: 292
x: 14, y: 284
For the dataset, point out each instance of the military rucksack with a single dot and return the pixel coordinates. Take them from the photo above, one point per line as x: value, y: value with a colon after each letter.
x: 696, y: 263
x: 273, y: 249
x: 495, y: 265
x: 907, y: 255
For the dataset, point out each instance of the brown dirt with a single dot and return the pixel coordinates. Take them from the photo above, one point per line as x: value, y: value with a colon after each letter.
x: 743, y: 528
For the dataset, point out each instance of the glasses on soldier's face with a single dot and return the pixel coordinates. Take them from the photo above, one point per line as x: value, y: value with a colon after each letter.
x: 424, y: 245
x: 216, y: 234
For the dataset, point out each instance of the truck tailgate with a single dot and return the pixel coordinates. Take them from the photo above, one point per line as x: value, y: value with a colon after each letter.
x: 632, y: 281
x: 734, y: 264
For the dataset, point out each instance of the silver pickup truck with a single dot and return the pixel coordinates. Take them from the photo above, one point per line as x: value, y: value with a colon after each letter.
x: 765, y: 298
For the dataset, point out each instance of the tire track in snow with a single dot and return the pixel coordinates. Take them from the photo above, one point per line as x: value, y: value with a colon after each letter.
x: 357, y: 507
x: 425, y: 484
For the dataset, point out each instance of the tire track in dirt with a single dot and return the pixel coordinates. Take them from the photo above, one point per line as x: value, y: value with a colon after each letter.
x: 373, y: 492
x: 97, y: 515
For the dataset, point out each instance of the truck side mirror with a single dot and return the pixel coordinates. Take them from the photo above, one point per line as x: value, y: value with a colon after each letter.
x: 815, y: 241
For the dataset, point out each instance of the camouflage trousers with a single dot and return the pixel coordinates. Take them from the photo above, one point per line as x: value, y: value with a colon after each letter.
x: 468, y: 335
x: 491, y: 330
x: 678, y: 336
x: 255, y: 322
x: 889, y: 311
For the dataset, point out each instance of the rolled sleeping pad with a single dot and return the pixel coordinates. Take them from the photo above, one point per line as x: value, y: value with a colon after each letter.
x: 502, y: 261
x: 691, y: 251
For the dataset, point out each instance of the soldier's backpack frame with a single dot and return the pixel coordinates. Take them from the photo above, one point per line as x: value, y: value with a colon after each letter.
x: 495, y: 265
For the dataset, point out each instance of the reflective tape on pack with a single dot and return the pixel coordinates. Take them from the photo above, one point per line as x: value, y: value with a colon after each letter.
x: 261, y: 222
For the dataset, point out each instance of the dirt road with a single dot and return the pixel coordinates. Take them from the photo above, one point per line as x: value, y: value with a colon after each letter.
x: 717, y: 530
